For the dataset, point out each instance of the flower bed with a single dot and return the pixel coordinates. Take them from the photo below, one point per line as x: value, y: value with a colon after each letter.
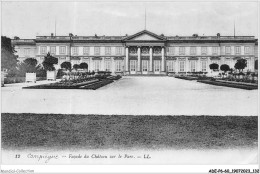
x: 228, y: 84
x: 186, y: 77
x: 115, y: 77
x: 80, y: 83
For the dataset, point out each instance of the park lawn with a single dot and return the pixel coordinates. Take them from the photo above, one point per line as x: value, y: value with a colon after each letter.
x: 58, y: 131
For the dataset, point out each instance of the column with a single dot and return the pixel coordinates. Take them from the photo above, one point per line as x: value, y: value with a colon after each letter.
x: 103, y: 64
x: 139, y: 59
x: 163, y: 60
x: 187, y: 64
x: 126, y: 59
x: 198, y: 67
x: 151, y: 59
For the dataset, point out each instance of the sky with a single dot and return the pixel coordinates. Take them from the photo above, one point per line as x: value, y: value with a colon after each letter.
x: 30, y: 19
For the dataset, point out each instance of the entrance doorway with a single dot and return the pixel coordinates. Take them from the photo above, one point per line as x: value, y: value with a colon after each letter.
x: 157, y: 66
x: 133, y: 66
x: 144, y: 66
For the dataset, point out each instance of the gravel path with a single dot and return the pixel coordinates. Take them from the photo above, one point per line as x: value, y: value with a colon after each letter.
x: 134, y: 95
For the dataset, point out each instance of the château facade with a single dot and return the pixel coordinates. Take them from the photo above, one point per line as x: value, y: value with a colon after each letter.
x: 142, y: 53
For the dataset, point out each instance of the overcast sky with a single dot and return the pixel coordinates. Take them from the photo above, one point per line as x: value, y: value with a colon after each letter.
x: 30, y: 19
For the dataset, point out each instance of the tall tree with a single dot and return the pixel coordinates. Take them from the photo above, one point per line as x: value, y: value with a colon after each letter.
x: 8, y: 59
x: 28, y: 66
x: 240, y: 64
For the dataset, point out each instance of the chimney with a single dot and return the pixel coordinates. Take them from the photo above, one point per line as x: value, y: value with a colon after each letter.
x: 218, y: 34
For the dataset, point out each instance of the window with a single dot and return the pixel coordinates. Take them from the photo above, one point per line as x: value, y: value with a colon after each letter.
x: 62, y: 50
x: 204, y: 66
x: 108, y: 65
x: 97, y: 64
x: 107, y: 50
x: 43, y: 50
x: 238, y: 50
x: 118, y: 65
x: 53, y: 50
x: 228, y: 50
x: 86, y: 50
x: 192, y: 66
x: 75, y: 50
x: 171, y: 65
x: 246, y: 50
x: 27, y: 51
x: 182, y: 63
x: 214, y: 50
x: 192, y: 50
x: 171, y: 50
x: 203, y: 50
x: 182, y: 51
x: 118, y: 50
x: 97, y: 50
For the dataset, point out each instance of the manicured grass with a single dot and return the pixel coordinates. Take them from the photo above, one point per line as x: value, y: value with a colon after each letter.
x: 114, y: 131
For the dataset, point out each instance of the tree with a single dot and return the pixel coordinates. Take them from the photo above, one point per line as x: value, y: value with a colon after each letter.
x: 224, y: 68
x: 240, y: 64
x: 256, y: 64
x: 76, y: 66
x: 83, y: 65
x: 8, y: 59
x: 213, y: 66
x: 48, y: 62
x: 66, y: 65
x: 28, y: 65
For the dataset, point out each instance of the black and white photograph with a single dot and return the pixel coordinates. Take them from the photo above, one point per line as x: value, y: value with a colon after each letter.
x: 129, y: 83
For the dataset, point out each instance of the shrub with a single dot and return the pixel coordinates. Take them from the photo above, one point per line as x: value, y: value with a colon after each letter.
x: 83, y: 65
x: 66, y: 65
x: 60, y: 73
x: 224, y: 68
x: 213, y: 66
x: 48, y: 62
x: 76, y: 66
x: 41, y: 73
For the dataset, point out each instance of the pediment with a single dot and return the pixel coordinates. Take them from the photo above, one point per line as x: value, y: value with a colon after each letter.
x: 145, y: 36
